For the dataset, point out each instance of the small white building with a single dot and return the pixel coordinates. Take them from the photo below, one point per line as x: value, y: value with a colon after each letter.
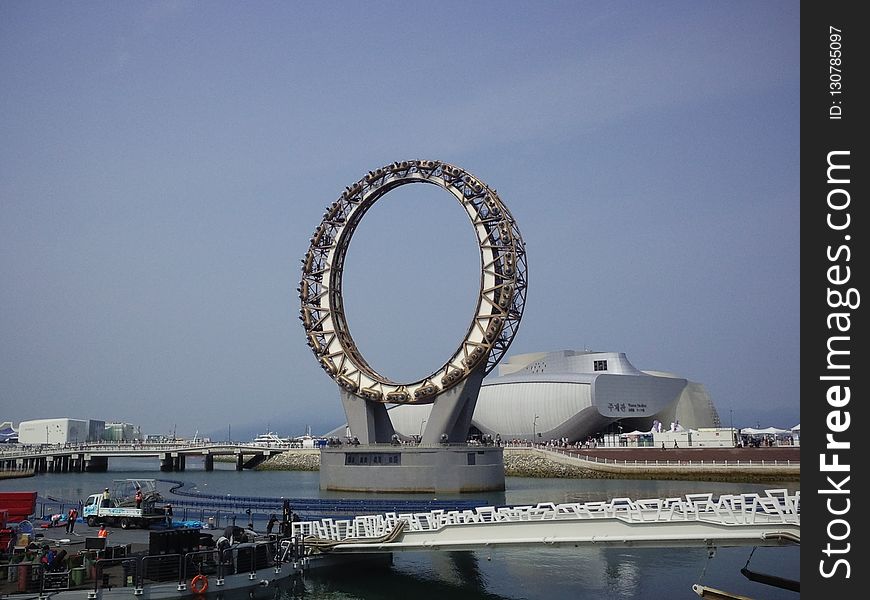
x: 53, y: 431
x: 704, y: 437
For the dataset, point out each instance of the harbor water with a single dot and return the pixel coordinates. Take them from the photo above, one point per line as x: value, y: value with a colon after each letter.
x: 498, y: 573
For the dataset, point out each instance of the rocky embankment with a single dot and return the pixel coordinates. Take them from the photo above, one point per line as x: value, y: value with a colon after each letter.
x: 534, y: 462
x: 521, y: 462
x: 529, y: 462
x: 293, y: 460
x: 16, y: 474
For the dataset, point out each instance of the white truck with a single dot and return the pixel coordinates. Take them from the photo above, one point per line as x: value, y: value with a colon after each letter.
x: 121, y: 509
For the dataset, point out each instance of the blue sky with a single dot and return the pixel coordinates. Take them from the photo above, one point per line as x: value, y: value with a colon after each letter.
x: 164, y: 164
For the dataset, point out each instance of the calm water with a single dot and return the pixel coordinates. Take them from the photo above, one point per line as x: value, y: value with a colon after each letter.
x: 547, y: 574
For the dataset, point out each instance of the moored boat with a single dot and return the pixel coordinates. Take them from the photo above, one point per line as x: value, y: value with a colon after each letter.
x: 176, y: 564
x: 270, y: 440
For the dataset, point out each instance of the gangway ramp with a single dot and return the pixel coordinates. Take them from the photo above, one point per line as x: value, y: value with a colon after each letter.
x: 696, y: 520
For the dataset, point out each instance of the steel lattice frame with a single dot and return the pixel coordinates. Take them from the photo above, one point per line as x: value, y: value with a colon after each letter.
x: 500, y: 302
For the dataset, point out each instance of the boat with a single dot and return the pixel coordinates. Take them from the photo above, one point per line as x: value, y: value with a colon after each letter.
x: 270, y: 440
x: 177, y: 564
x: 308, y: 441
x: 716, y: 594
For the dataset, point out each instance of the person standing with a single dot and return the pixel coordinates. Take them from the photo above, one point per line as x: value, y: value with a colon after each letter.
x: 71, y: 517
x: 167, y: 512
x: 103, y: 532
x: 138, y: 497
x: 106, y: 498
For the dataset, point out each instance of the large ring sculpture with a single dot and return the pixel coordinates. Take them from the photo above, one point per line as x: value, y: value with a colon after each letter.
x: 499, y: 306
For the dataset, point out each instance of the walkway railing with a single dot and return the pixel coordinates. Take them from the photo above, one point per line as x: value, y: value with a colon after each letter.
x: 772, y: 508
x: 19, y: 450
x: 647, y: 463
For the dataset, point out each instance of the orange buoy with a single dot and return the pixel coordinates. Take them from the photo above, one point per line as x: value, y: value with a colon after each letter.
x: 199, y: 584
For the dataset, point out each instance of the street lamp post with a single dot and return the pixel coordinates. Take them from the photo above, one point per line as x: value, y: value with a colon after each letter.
x: 731, y: 415
x: 423, y: 422
x: 534, y: 429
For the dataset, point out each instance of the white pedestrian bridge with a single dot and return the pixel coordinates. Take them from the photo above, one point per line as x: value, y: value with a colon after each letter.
x: 768, y: 519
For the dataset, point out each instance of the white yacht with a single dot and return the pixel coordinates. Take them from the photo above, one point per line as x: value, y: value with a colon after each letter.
x: 271, y: 440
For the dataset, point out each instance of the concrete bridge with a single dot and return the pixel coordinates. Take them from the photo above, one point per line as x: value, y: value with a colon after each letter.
x: 95, y: 457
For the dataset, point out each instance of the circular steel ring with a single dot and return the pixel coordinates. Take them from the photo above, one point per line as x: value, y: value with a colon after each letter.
x: 500, y: 302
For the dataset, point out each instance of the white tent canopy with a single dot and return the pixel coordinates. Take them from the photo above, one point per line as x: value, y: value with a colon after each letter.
x: 765, y: 431
x: 635, y: 433
x: 796, y: 427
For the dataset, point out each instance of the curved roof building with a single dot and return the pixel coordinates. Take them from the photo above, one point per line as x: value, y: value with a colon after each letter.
x: 574, y: 394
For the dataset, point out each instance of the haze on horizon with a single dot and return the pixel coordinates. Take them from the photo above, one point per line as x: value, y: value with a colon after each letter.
x: 165, y: 163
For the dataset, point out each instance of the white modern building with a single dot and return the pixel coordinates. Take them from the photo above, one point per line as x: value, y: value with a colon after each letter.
x: 53, y: 431
x: 575, y: 395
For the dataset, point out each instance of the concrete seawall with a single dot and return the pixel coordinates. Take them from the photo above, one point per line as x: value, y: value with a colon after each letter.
x: 538, y: 462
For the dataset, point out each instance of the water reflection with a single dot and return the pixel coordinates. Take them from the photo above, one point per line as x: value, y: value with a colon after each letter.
x: 454, y: 575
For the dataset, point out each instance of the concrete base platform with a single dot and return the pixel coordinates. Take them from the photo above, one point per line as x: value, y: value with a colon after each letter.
x: 412, y: 469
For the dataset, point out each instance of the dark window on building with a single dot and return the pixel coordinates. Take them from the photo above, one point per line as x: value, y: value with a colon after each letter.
x: 599, y: 365
x: 472, y: 458
x: 367, y: 459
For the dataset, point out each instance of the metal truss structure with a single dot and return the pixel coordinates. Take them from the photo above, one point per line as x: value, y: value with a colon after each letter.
x: 500, y: 301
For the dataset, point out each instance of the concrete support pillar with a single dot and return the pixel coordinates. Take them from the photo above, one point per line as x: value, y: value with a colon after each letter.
x: 96, y: 464
x: 368, y: 421
x: 451, y: 412
x: 166, y: 462
x: 209, y: 462
x: 240, y: 461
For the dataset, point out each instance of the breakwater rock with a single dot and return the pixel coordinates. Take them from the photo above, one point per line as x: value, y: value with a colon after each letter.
x: 306, y: 459
x: 517, y: 463
x: 520, y: 462
x: 537, y: 462
x: 15, y: 474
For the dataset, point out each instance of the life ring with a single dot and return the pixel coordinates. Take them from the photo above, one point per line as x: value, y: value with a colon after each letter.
x: 199, y: 584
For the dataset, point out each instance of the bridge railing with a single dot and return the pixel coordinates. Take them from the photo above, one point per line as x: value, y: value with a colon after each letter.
x: 775, y: 506
x: 28, y: 450
x: 665, y: 463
